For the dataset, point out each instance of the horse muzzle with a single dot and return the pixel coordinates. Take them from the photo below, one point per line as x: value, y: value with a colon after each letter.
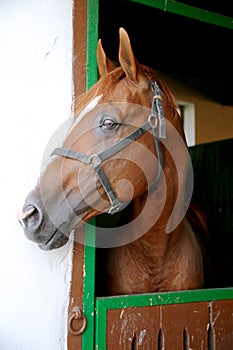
x: 47, y: 231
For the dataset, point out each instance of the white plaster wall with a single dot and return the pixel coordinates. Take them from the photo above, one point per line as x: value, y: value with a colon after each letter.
x: 35, y: 98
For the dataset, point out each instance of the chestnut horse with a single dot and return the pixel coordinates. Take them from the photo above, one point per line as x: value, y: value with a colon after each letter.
x: 125, y: 154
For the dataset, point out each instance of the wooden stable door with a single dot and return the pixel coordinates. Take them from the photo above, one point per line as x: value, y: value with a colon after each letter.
x: 166, y: 321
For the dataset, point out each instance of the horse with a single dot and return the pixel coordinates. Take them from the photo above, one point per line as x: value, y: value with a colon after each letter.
x: 124, y: 156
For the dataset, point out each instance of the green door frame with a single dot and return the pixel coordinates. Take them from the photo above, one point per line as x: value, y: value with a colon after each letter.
x: 178, y: 8
x: 88, y: 337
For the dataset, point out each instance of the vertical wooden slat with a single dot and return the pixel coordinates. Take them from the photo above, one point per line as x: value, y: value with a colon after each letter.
x: 79, y: 46
x: 79, y: 82
x: 193, y: 317
x: 85, y: 32
x: 76, y: 294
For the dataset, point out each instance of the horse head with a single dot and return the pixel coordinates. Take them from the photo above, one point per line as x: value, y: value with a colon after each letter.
x: 112, y: 153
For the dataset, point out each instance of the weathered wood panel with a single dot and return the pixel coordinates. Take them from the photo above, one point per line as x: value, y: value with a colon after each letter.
x: 196, y: 326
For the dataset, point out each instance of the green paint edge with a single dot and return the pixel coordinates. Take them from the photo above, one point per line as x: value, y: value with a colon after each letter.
x: 89, y: 285
x: 189, y: 11
x: 92, y: 38
x: 155, y: 299
x: 88, y: 337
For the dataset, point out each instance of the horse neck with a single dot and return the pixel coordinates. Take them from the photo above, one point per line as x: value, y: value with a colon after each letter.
x: 156, y: 217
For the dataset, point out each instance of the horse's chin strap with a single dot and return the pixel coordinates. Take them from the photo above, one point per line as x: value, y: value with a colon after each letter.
x: 155, y: 122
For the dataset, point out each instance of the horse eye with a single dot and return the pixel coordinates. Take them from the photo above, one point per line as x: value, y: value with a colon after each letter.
x: 108, y: 124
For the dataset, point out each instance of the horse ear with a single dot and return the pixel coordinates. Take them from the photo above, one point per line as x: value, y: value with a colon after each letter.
x: 105, y: 65
x: 127, y: 60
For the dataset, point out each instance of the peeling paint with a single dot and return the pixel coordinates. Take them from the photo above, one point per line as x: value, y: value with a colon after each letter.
x: 84, y: 270
x: 123, y: 326
x: 216, y: 317
x: 141, y: 336
x: 112, y: 329
x: 122, y: 313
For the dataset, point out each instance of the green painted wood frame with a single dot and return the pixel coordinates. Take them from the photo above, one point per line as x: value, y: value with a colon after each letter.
x: 156, y: 299
x: 96, y: 310
x: 178, y: 8
x: 89, y: 229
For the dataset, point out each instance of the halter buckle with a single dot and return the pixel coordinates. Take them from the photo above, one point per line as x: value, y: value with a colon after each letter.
x: 117, y: 206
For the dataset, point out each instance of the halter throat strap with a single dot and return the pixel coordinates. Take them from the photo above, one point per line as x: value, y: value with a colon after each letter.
x: 155, y: 122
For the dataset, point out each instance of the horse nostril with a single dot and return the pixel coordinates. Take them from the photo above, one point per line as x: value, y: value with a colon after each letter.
x: 30, y: 218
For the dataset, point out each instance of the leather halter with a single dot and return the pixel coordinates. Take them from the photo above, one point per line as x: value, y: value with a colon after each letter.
x: 155, y: 123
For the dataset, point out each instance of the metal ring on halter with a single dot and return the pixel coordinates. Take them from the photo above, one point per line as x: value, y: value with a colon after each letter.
x: 153, y: 124
x: 95, y: 160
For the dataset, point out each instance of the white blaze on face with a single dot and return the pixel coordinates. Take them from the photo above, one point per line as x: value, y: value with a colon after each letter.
x: 63, y: 131
x: 91, y: 105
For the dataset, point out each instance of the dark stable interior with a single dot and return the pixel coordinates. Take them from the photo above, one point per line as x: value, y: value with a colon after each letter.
x: 200, y: 55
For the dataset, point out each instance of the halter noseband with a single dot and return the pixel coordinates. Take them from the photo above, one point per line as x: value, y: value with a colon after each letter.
x: 155, y: 122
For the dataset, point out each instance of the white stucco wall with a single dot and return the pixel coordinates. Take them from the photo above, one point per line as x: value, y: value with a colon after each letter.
x: 35, y: 98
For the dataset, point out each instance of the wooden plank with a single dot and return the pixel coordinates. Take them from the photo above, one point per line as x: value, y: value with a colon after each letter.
x: 79, y: 46
x: 177, y: 326
x: 85, y: 24
x: 184, y: 326
x: 79, y: 81
x: 149, y: 319
x: 197, y: 325
x: 133, y: 328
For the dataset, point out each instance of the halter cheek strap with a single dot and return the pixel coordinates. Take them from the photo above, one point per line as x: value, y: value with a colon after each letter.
x: 155, y: 122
